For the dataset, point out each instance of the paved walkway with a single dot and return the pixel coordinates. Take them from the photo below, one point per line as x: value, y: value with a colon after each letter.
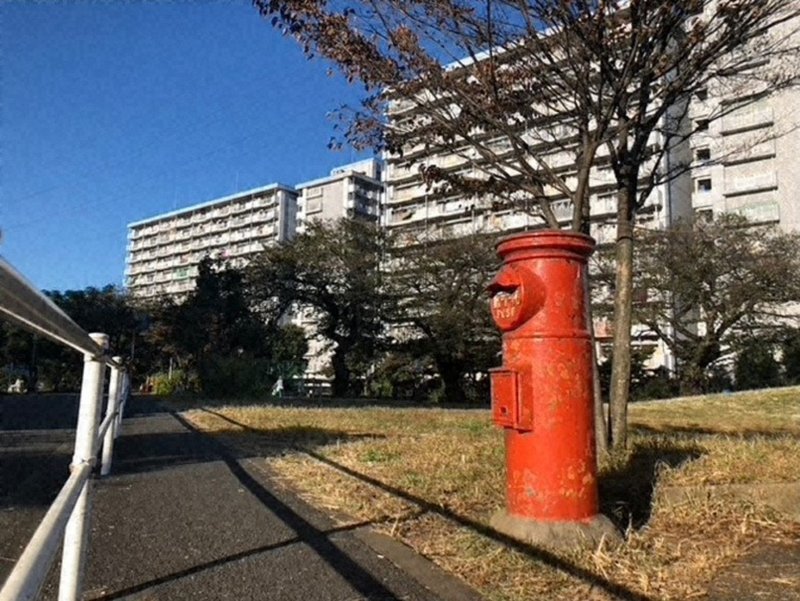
x: 183, y: 518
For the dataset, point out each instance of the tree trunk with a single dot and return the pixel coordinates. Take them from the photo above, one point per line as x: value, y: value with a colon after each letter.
x: 34, y: 369
x: 341, y: 373
x: 451, y: 379
x: 600, y: 424
x: 692, y: 381
x: 623, y: 300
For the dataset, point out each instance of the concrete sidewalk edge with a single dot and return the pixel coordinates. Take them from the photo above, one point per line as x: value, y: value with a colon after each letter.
x: 441, y: 583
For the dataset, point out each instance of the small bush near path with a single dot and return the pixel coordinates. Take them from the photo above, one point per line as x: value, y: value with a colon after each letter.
x: 433, y: 478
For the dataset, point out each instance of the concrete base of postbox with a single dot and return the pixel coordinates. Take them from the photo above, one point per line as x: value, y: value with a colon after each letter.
x: 558, y: 535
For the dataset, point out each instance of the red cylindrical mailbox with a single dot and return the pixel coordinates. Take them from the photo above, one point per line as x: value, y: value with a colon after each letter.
x: 543, y: 394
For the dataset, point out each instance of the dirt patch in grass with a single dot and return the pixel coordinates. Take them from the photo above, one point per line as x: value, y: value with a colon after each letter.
x: 432, y: 478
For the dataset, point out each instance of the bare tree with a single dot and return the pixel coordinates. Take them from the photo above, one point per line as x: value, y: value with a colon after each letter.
x: 713, y: 286
x: 533, y: 96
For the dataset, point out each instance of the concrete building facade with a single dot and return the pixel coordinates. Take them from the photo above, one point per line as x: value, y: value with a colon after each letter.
x: 412, y: 213
x: 164, y: 251
x: 746, y: 162
x: 351, y: 191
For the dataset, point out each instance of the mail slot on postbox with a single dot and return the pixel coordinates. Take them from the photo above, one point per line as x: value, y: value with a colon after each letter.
x: 517, y: 295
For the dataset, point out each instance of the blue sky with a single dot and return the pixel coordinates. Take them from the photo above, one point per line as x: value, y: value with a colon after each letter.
x: 114, y: 112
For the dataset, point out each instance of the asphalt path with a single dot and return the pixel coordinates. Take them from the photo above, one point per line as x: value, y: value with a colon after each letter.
x: 183, y: 517
x: 37, y: 434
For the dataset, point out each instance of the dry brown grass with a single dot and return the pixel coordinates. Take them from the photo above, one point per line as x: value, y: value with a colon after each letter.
x: 433, y: 478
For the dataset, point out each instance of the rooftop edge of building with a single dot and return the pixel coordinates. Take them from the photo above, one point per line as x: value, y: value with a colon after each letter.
x: 211, y: 203
x: 350, y: 169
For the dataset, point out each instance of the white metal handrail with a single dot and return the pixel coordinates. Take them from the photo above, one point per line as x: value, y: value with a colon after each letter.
x: 23, y: 304
x: 69, y: 515
x: 41, y: 550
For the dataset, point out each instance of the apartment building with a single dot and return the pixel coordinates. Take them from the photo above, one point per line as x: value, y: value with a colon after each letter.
x: 164, y: 251
x: 412, y: 213
x: 743, y: 162
x: 746, y: 162
x: 352, y: 191
x: 409, y: 208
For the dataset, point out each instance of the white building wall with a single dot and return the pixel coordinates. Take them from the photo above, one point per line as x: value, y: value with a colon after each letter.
x: 164, y: 251
x: 744, y: 163
x: 753, y: 170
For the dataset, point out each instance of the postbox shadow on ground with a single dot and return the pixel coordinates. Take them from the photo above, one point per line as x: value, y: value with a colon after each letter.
x: 311, y: 535
x: 626, y: 493
x: 149, y: 404
x: 37, y: 436
x: 155, y: 451
x: 154, y: 445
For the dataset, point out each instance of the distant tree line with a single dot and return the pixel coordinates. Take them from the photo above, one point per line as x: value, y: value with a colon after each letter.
x: 403, y: 319
x: 409, y: 318
x: 40, y: 363
x: 405, y: 325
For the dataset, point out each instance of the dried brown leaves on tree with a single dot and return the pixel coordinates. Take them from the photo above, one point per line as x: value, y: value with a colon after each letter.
x: 528, y: 93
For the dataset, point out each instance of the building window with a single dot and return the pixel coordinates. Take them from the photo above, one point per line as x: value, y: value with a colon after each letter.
x: 760, y: 213
x: 702, y: 154
x: 701, y: 94
x: 704, y: 184
x: 501, y: 145
x: 701, y: 125
x: 606, y: 203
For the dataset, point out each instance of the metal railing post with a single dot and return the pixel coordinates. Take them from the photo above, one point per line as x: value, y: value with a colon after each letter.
x: 115, y: 384
x: 125, y: 392
x: 73, y: 561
